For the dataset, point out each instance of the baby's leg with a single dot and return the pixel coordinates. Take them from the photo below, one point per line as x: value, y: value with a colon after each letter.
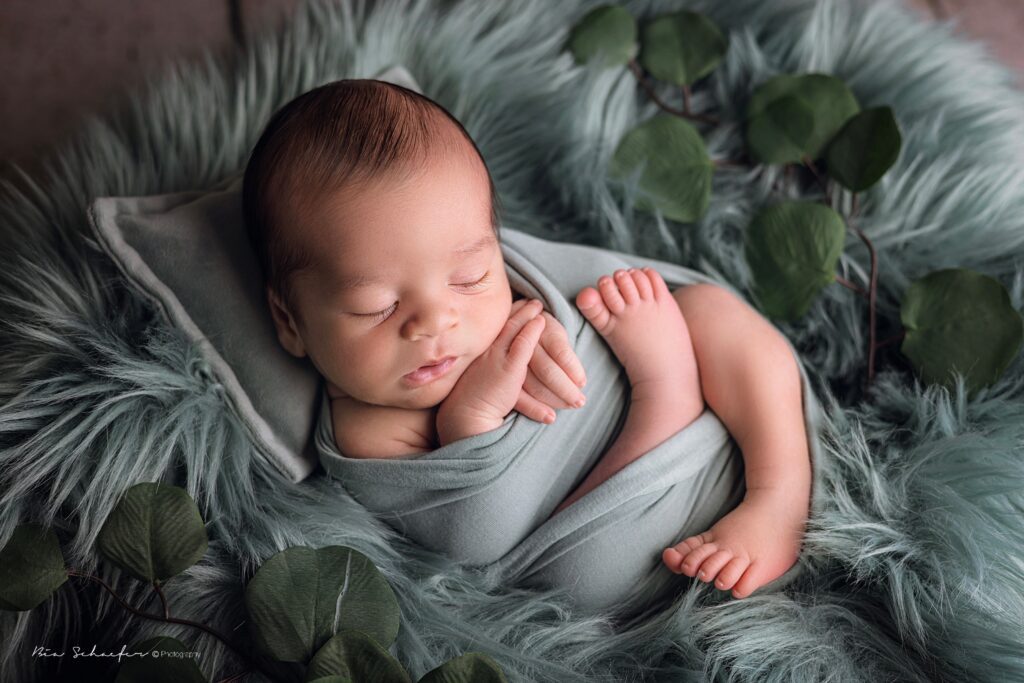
x: 638, y: 317
x: 751, y: 380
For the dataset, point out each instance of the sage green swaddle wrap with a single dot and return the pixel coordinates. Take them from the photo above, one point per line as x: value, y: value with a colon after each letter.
x: 485, y: 500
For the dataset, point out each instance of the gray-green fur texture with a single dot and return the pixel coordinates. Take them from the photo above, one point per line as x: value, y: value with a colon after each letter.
x: 916, y: 563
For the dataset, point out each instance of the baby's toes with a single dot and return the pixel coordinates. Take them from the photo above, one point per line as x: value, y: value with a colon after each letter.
x: 673, y: 556
x: 643, y: 284
x: 592, y: 307
x: 713, y: 564
x: 731, y: 573
x: 611, y: 295
x: 694, y: 559
x: 751, y: 580
x: 658, y: 286
x: 627, y: 288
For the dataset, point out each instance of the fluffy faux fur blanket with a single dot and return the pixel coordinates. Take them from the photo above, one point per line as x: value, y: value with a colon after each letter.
x: 915, y: 564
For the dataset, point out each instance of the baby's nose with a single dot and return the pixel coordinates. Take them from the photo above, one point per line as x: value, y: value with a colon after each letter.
x: 431, y: 323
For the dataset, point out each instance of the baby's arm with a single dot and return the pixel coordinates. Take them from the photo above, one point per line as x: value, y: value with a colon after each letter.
x: 362, y: 430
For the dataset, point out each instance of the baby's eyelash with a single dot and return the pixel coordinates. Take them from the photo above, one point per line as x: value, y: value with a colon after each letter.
x: 478, y: 283
x: 381, y: 315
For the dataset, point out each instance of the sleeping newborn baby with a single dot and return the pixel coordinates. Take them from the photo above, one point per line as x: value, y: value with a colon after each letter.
x: 376, y: 223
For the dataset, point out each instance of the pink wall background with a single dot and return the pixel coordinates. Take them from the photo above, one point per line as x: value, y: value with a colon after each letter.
x: 61, y: 61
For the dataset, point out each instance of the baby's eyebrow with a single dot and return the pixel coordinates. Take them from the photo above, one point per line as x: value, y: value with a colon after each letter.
x: 358, y: 281
x: 478, y: 246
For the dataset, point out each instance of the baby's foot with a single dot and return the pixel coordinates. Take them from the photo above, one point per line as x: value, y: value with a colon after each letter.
x: 641, y: 321
x: 754, y: 544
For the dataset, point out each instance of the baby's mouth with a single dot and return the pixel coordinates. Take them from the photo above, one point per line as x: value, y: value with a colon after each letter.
x: 428, y: 373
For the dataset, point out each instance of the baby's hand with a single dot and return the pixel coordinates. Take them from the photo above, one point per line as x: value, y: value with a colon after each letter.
x: 555, y: 373
x: 489, y: 388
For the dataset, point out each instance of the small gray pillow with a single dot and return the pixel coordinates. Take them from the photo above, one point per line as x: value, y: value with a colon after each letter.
x: 189, y: 254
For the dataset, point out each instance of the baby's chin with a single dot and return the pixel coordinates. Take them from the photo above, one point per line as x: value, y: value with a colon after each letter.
x: 427, y: 396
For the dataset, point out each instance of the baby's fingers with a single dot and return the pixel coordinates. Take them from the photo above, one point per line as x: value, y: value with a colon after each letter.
x: 520, y: 322
x: 522, y: 347
x: 534, y: 409
x: 555, y: 342
x: 554, y: 378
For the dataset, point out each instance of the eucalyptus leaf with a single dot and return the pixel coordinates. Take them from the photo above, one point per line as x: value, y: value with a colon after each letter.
x: 606, y: 36
x: 792, y: 249
x: 676, y: 170
x: 355, y: 655
x: 681, y: 48
x: 302, y: 596
x: 960, y: 321
x: 154, y: 532
x: 472, y: 667
x: 865, y: 148
x: 781, y: 133
x: 150, y: 665
x: 31, y: 567
x: 830, y: 101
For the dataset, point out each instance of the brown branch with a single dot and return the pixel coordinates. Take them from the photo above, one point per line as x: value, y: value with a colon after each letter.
x: 820, y: 178
x: 236, y: 677
x: 635, y: 67
x: 851, y: 285
x: 163, y: 598
x: 893, y: 338
x: 172, y: 620
x: 872, y: 293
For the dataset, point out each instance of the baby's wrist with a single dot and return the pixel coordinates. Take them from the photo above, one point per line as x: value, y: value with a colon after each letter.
x: 453, y: 425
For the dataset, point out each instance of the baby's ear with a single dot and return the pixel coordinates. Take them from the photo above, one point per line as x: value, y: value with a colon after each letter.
x: 285, y: 324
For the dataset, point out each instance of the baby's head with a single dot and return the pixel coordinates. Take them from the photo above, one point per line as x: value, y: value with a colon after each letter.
x: 374, y: 219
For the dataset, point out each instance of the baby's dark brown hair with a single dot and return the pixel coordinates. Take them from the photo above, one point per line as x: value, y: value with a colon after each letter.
x: 337, y: 135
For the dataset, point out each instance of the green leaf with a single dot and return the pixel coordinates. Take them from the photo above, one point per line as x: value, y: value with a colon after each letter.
x: 681, y: 48
x: 472, y: 667
x: 302, y: 596
x: 31, y: 567
x: 961, y: 321
x: 781, y: 133
x: 606, y: 35
x: 830, y: 101
x: 357, y: 656
x: 676, y: 170
x: 155, y: 532
x: 792, y: 249
x: 864, y: 149
x: 153, y: 666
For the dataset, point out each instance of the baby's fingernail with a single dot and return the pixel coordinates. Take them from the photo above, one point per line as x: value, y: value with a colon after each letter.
x: 580, y: 401
x: 549, y: 417
x: 581, y: 382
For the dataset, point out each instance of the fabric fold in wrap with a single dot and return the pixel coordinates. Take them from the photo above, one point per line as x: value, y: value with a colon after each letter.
x: 485, y: 501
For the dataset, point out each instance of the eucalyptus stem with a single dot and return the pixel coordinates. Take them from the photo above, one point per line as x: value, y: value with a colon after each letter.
x: 851, y: 285
x: 821, y: 179
x: 872, y: 292
x: 172, y: 620
x: 638, y: 71
x: 236, y: 677
x: 163, y: 599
